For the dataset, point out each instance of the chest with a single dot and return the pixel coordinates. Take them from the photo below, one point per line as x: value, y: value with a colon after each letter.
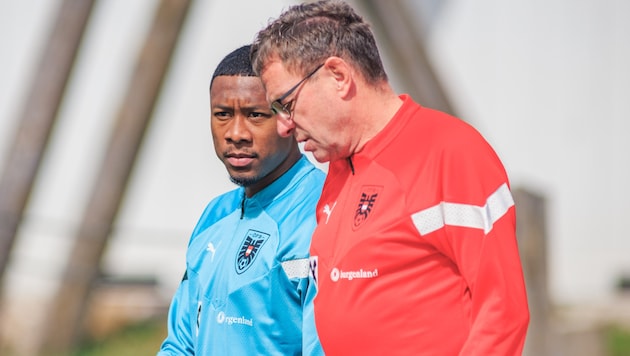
x: 233, y: 251
x: 364, y: 222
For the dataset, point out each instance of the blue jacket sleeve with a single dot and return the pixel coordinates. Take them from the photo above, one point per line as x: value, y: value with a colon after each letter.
x: 310, y: 341
x: 179, y: 340
x: 182, y: 315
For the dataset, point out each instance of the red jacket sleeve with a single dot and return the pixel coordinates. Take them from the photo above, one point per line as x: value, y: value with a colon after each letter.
x: 480, y: 230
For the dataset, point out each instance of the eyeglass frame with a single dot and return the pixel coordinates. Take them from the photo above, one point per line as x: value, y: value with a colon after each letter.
x: 283, y: 109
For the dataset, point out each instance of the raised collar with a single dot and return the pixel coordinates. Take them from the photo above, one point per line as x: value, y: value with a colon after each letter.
x: 278, y: 187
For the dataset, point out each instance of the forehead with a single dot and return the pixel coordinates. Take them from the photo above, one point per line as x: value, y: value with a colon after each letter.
x: 237, y: 86
x: 277, y: 79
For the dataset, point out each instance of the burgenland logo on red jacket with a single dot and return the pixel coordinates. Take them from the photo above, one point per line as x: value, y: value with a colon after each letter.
x: 366, y: 204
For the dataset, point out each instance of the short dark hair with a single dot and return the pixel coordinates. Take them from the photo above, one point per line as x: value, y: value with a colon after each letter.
x: 236, y: 63
x: 306, y: 34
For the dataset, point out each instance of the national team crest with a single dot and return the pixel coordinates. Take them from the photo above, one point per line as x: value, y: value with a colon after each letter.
x: 252, y: 243
x: 366, y: 204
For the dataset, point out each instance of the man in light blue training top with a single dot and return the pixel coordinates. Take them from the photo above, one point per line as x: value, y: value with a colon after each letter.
x: 246, y: 282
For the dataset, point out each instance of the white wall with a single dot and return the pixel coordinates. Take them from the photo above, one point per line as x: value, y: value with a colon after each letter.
x: 548, y: 83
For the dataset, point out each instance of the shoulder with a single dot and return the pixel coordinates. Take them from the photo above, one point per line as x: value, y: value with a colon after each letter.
x: 218, y: 208
x: 308, y: 179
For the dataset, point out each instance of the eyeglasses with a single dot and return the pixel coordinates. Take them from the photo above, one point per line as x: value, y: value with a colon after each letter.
x: 285, y: 109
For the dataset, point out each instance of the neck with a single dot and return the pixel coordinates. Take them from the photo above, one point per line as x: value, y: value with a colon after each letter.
x: 293, y: 156
x: 376, y: 109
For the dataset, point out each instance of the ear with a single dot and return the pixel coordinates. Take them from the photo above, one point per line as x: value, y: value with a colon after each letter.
x: 341, y: 73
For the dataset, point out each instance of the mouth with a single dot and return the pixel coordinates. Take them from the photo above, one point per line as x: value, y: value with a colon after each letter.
x: 307, y: 144
x: 301, y: 139
x: 239, y: 159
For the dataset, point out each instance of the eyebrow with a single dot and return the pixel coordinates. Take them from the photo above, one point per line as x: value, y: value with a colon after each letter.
x: 253, y: 107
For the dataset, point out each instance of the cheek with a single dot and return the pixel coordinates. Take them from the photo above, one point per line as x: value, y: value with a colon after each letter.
x: 217, y: 141
x: 277, y: 147
x: 214, y: 134
x: 214, y: 130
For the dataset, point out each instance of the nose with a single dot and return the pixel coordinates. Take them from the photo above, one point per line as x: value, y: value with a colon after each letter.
x: 238, y: 130
x: 285, y: 125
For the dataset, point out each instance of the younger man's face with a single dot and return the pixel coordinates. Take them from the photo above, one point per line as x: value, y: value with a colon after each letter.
x: 244, y: 132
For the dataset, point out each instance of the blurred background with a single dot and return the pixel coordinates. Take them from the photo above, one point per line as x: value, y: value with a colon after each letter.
x: 106, y: 159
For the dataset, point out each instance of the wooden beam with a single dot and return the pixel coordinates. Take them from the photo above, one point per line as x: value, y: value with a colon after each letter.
x: 63, y: 327
x: 531, y: 229
x: 38, y: 118
x: 393, y: 23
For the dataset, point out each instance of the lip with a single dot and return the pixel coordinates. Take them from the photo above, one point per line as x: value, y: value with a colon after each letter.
x: 306, y: 145
x: 239, y: 160
x: 301, y: 138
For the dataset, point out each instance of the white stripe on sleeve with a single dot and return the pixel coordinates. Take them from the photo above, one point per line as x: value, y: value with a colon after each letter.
x: 296, y: 268
x: 465, y: 215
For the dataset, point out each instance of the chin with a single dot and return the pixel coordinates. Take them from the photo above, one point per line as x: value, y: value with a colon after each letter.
x: 244, y: 181
x: 321, y: 158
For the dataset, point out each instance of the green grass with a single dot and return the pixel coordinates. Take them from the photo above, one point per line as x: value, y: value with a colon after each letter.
x: 618, y: 341
x: 145, y: 339
x: 137, y: 340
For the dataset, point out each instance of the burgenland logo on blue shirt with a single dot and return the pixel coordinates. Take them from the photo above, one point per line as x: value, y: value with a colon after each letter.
x: 252, y: 243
